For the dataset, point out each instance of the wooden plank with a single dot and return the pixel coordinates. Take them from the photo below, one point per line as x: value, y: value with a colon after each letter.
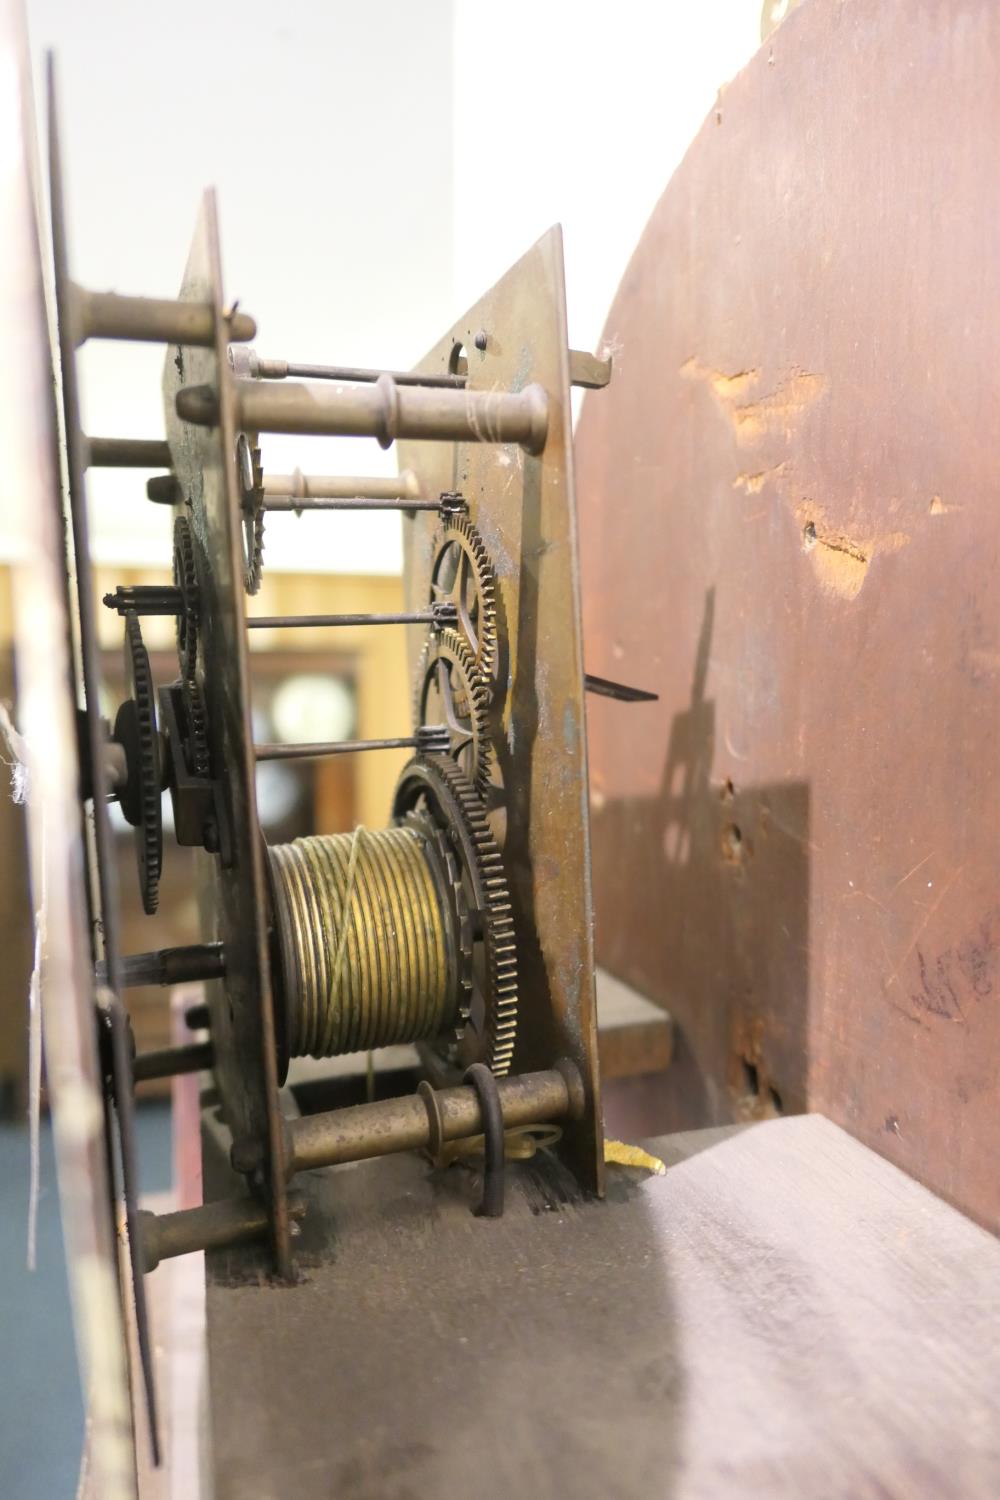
x: 634, y: 1036
x: 782, y: 1314
x: 789, y: 530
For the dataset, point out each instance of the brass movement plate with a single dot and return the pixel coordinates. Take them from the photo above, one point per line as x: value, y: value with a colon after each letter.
x: 234, y: 897
x: 525, y: 510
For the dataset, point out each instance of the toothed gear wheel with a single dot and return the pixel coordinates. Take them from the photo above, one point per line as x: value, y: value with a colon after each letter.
x: 463, y: 575
x: 251, y: 481
x: 186, y: 579
x: 135, y: 731
x: 450, y: 691
x: 196, y: 752
x: 434, y: 787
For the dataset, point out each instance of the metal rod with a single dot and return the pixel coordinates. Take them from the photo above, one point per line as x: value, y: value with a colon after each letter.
x: 282, y: 369
x: 603, y: 687
x: 212, y: 1226
x: 126, y: 453
x: 584, y: 370
x: 292, y: 502
x: 342, y: 486
x: 151, y: 320
x: 146, y: 599
x: 435, y: 614
x: 384, y: 411
x: 405, y: 1124
x: 163, y: 489
x: 588, y: 371
x: 169, y: 966
x: 332, y: 747
x: 166, y: 1062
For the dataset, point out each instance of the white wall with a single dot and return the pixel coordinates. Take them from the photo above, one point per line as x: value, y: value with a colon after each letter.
x: 326, y: 129
x: 578, y: 112
x: 378, y: 166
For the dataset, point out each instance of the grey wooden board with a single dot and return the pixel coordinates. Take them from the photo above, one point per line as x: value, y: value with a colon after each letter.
x: 783, y: 1314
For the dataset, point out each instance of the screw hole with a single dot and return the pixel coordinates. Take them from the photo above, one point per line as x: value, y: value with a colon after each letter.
x: 809, y: 537
x: 751, y: 1078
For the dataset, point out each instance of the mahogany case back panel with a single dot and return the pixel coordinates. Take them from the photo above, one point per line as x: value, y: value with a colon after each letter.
x: 790, y: 511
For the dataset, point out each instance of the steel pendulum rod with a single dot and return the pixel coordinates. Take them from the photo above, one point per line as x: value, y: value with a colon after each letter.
x: 429, y: 740
x: 436, y: 615
x: 384, y: 411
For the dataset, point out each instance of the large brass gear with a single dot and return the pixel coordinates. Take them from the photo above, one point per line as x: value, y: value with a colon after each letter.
x: 451, y: 692
x: 250, y: 475
x: 434, y: 788
x: 462, y: 574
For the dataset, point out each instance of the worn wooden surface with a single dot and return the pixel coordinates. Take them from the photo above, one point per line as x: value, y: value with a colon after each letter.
x: 634, y: 1036
x: 783, y: 1313
x: 789, y: 529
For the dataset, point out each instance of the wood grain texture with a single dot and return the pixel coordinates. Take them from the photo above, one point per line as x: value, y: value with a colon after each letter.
x: 783, y: 1314
x: 789, y: 529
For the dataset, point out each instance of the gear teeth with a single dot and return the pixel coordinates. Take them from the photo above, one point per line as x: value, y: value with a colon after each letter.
x: 149, y: 829
x: 459, y: 532
x: 249, y: 467
x: 470, y: 697
x: 186, y: 579
x: 500, y: 1025
x: 254, y: 574
x: 199, y: 758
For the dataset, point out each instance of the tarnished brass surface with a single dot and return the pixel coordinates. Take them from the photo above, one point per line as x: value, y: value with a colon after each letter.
x: 151, y: 320
x: 384, y: 411
x: 523, y: 507
x: 209, y: 1226
x: 233, y: 893
x: 387, y: 1126
x: 126, y: 453
x: 364, y: 955
x: 299, y: 486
